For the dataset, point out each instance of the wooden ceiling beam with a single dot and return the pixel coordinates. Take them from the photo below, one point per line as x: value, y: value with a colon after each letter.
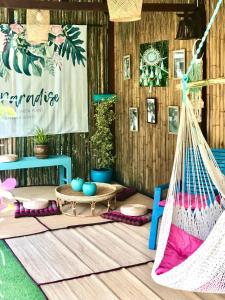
x: 167, y: 7
x: 64, y: 5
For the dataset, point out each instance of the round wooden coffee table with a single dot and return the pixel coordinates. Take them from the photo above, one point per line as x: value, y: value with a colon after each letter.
x: 65, y: 194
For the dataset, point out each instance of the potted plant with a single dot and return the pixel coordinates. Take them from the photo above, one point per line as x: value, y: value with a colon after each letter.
x: 41, y: 143
x: 102, y: 141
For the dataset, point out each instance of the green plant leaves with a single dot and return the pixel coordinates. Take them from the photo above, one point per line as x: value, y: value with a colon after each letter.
x: 102, y: 139
x: 71, y: 47
x: 24, y: 58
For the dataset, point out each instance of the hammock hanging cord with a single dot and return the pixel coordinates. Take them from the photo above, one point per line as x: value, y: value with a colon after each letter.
x: 185, y: 77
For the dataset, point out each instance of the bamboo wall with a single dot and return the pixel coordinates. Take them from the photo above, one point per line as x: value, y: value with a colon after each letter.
x: 144, y: 158
x: 216, y: 68
x: 73, y: 145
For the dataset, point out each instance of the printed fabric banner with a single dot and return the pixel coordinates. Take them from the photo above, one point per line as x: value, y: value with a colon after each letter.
x: 46, y: 84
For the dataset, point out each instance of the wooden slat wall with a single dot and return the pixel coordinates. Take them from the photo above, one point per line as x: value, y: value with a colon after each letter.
x: 69, y: 144
x: 144, y: 158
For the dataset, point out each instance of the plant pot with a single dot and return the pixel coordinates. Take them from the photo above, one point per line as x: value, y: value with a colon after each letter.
x: 89, y: 188
x: 77, y: 184
x: 102, y: 175
x: 41, y: 151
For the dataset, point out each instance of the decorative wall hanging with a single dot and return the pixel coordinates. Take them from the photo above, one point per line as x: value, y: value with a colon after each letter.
x: 151, y: 110
x: 126, y: 67
x: 195, y: 94
x: 178, y: 63
x: 124, y: 10
x: 173, y: 119
x: 133, y: 118
x: 154, y: 64
x: 46, y: 84
x: 38, y: 26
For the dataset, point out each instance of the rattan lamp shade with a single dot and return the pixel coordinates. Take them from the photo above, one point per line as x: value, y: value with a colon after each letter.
x: 124, y: 10
x: 37, y: 26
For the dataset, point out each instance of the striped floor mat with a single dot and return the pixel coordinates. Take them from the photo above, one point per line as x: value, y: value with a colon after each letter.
x: 66, y: 254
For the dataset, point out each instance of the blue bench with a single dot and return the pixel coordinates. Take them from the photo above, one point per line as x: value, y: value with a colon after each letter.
x: 157, y: 210
x: 62, y: 161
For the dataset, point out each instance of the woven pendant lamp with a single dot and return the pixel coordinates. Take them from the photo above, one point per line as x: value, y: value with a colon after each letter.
x: 124, y: 10
x: 38, y: 26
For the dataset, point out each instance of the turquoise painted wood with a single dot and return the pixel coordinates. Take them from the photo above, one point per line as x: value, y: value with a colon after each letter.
x: 103, y: 97
x: 62, y: 161
x: 157, y: 212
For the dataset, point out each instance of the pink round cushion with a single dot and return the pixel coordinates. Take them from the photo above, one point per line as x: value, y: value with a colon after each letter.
x: 183, y: 199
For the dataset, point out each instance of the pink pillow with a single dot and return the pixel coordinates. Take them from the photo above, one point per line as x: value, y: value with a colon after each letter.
x: 183, y: 198
x: 180, y: 246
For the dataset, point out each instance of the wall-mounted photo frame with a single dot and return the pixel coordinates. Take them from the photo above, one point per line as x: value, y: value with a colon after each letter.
x: 173, y: 119
x: 133, y: 118
x: 179, y: 63
x: 126, y: 67
x: 151, y: 110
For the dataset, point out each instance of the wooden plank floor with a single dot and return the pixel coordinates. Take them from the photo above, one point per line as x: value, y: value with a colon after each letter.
x: 132, y: 283
x: 127, y: 284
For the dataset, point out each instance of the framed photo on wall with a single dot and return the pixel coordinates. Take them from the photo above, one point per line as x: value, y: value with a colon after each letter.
x: 178, y: 63
x: 126, y: 67
x: 151, y: 110
x: 173, y: 119
x: 133, y: 118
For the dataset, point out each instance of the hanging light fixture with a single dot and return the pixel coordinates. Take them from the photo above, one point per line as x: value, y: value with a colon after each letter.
x: 190, y: 26
x: 38, y: 25
x: 124, y: 10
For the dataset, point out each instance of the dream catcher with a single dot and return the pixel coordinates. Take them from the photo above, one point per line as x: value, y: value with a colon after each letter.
x: 195, y: 93
x: 152, y: 67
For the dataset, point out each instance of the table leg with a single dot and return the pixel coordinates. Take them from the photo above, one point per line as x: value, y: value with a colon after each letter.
x: 60, y: 205
x: 92, y: 209
x: 115, y: 203
x: 74, y: 206
x: 109, y: 205
x: 68, y: 169
x: 61, y: 175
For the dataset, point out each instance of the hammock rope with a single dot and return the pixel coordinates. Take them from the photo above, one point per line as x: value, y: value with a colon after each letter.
x: 194, y: 208
x: 200, y: 46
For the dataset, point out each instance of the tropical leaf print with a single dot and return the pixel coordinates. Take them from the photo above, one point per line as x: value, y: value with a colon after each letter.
x: 4, y: 72
x: 50, y: 66
x: 71, y: 47
x: 19, y: 55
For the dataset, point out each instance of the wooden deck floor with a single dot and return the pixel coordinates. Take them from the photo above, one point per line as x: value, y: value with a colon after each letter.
x: 128, y: 283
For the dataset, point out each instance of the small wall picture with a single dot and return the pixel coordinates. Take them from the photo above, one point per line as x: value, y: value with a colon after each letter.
x: 126, y: 67
x: 173, y: 119
x: 178, y: 63
x: 151, y: 110
x: 133, y: 117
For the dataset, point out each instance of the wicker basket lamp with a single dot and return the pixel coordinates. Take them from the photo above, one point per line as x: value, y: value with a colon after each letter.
x: 124, y: 10
x: 38, y: 26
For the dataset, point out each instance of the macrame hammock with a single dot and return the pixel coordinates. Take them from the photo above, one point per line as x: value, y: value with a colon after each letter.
x: 194, y: 214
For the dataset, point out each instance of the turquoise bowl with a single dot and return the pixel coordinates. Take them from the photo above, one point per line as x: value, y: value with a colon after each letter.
x: 89, y: 189
x: 102, y: 175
